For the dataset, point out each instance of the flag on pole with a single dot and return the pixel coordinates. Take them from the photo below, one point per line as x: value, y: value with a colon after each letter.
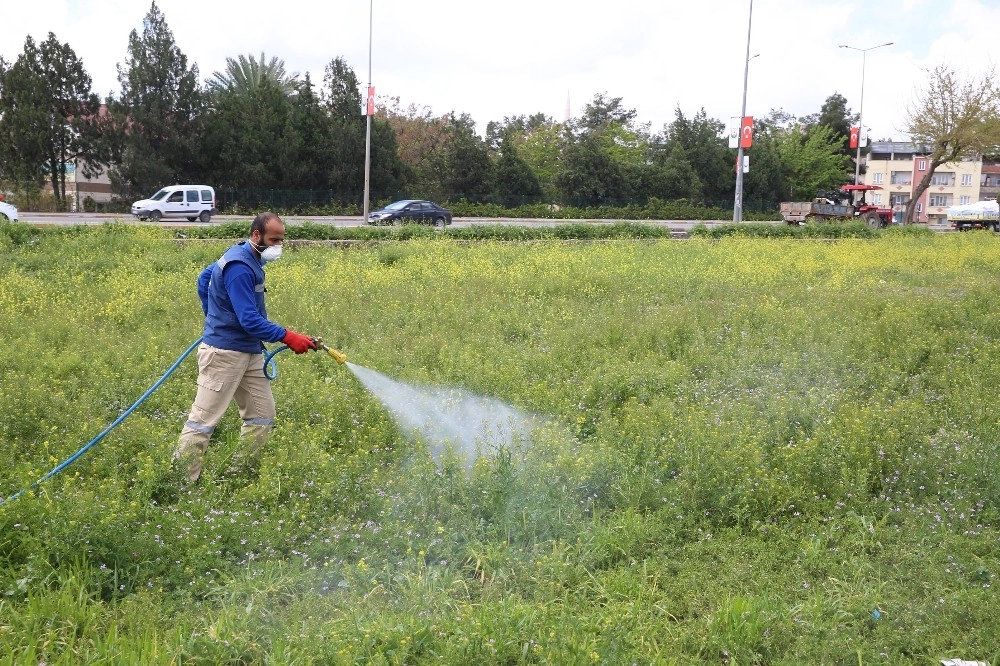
x: 855, y: 131
x: 371, y: 100
x: 734, y: 132
x: 746, y: 132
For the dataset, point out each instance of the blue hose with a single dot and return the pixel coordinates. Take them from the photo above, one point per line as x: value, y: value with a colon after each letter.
x: 69, y: 461
x: 270, y: 371
x: 270, y: 367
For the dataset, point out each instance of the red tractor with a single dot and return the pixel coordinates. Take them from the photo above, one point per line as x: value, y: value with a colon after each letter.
x: 831, y: 205
x: 875, y: 216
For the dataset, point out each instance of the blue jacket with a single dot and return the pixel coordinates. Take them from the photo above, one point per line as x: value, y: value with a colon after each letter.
x: 232, y: 297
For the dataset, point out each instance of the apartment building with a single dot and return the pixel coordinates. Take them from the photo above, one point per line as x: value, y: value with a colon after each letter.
x: 898, y: 166
x: 80, y: 188
x: 82, y: 191
x: 989, y: 182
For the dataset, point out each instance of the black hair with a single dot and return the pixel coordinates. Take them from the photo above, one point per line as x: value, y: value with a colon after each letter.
x: 261, y: 221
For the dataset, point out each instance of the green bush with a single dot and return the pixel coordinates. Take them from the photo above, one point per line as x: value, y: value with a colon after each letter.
x: 654, y: 209
x: 17, y: 233
x: 850, y: 229
x: 324, y: 232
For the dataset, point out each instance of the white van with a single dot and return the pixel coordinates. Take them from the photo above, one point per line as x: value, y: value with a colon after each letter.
x: 193, y: 202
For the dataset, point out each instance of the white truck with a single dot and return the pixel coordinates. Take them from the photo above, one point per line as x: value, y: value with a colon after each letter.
x: 979, y: 215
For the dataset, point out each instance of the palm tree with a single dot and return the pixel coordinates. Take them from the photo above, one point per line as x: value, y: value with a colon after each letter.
x: 246, y: 73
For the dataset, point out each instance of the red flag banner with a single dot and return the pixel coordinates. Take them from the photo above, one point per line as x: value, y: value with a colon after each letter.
x: 855, y: 131
x: 746, y: 132
x: 371, y: 100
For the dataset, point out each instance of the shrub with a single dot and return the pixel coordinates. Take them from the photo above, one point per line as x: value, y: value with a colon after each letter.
x: 851, y: 229
x: 17, y: 233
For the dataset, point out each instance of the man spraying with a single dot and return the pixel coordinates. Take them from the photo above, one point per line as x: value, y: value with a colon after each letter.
x: 230, y: 357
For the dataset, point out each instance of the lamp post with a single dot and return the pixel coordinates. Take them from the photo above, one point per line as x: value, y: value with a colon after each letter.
x: 368, y: 115
x: 738, y: 203
x: 861, y: 110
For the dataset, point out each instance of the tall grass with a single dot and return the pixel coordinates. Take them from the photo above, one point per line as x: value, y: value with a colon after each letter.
x: 761, y: 451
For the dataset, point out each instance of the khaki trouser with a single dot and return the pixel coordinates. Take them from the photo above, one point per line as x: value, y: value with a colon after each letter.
x: 223, y: 376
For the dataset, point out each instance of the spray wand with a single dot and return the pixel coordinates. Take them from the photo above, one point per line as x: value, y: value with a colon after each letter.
x: 337, y: 356
x: 271, y: 368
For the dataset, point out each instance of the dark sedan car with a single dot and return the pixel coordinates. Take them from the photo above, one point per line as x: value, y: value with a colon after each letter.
x: 411, y: 211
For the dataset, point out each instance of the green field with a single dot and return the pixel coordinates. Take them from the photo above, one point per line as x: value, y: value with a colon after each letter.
x: 759, y: 451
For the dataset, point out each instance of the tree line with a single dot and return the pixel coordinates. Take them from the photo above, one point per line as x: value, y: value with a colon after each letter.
x: 259, y: 132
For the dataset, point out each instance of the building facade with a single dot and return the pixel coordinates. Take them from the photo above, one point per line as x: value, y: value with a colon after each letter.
x: 83, y: 193
x: 899, y: 166
x: 989, y: 181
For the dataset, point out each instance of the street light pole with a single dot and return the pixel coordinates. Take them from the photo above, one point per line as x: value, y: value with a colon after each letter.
x: 861, y: 110
x: 738, y: 203
x: 368, y: 115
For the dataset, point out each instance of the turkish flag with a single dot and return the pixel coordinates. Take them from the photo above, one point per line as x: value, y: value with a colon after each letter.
x: 855, y: 131
x: 371, y: 100
x: 746, y: 132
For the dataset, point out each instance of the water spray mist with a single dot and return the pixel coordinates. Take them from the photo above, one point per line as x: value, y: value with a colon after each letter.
x: 448, y: 417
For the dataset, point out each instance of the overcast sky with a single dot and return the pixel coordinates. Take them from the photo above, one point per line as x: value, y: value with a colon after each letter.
x: 493, y: 58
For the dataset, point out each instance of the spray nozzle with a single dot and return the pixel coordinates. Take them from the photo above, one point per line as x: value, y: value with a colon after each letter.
x: 337, y: 356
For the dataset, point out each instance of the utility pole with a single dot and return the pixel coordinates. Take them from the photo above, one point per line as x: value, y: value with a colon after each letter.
x: 738, y: 203
x: 368, y: 115
x: 861, y: 110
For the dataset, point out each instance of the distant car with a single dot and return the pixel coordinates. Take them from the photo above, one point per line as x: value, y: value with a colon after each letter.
x: 412, y: 211
x: 8, y: 211
x: 192, y: 202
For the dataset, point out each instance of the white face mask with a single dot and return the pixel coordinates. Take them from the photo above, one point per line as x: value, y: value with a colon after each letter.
x: 269, y: 253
